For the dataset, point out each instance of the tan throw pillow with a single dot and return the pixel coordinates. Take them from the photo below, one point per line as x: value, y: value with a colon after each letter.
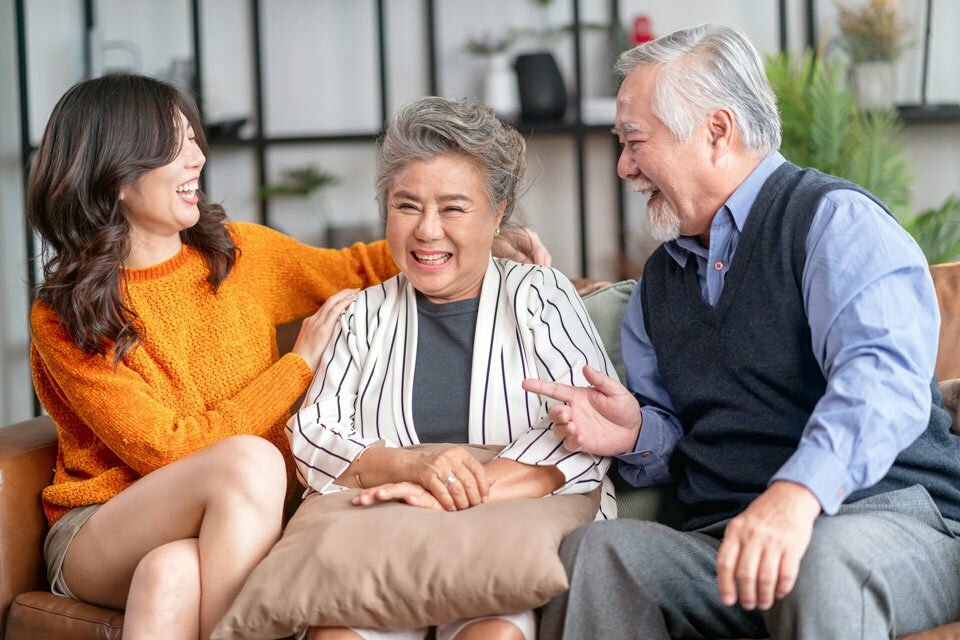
x: 393, y: 566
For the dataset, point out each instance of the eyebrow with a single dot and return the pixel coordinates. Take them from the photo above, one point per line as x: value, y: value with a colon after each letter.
x: 628, y: 127
x: 444, y: 198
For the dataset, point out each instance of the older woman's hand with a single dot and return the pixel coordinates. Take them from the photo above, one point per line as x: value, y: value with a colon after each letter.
x: 410, y: 493
x: 453, y: 476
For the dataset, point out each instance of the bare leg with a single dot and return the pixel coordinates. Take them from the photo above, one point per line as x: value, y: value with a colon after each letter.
x: 164, y: 600
x: 228, y: 496
x: 490, y: 629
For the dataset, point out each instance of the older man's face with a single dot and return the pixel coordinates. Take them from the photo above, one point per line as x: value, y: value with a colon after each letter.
x: 653, y: 163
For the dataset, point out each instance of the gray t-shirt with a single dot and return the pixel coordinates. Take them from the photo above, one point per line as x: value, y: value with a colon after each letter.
x: 441, y: 378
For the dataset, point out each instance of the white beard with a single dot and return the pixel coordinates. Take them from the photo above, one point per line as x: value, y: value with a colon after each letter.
x: 662, y: 220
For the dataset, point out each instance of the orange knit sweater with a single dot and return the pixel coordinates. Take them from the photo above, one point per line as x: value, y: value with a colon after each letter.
x: 207, y: 368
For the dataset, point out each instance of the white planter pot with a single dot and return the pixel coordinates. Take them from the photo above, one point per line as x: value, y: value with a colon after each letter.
x: 500, y: 90
x: 875, y: 84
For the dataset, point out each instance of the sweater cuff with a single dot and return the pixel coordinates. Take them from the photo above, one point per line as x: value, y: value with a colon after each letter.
x: 269, y: 396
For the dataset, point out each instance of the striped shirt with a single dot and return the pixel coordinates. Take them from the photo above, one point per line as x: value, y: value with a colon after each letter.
x: 531, y: 323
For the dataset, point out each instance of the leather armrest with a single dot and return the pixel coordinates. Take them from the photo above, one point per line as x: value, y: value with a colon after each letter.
x: 946, y: 280
x: 28, y: 452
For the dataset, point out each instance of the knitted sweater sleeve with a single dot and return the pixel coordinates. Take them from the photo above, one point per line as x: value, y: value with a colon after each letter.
x: 292, y: 279
x: 128, y: 415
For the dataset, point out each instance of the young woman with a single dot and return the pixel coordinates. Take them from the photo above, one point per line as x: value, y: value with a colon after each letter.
x: 154, y: 352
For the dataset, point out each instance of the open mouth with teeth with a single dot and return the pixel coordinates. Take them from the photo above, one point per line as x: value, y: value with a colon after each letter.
x: 431, y: 259
x: 188, y: 191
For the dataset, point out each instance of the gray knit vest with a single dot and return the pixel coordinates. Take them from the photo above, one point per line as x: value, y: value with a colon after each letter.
x: 742, y: 375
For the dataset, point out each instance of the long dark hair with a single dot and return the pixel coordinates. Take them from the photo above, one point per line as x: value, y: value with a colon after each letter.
x: 103, y: 135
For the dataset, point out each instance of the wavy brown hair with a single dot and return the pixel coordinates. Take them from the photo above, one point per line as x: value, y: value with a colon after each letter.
x: 103, y: 135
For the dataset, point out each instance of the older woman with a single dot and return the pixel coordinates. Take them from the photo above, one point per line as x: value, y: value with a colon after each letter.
x: 438, y: 353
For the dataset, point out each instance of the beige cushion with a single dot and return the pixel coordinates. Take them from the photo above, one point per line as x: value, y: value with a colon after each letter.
x: 392, y: 566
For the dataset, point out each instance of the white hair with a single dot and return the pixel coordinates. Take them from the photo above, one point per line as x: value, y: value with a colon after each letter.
x: 705, y: 68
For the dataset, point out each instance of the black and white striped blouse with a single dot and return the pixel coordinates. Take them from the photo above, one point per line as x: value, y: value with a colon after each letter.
x: 531, y: 323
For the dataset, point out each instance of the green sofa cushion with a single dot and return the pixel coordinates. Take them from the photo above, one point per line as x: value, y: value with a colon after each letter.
x: 606, y: 308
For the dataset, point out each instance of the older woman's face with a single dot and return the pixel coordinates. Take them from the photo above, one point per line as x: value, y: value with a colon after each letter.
x: 440, y: 227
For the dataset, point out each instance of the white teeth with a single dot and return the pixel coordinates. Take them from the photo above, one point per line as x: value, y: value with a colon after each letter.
x: 434, y: 258
x: 640, y: 186
x: 189, y: 188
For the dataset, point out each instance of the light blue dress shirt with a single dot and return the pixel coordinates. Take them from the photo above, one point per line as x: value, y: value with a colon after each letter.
x: 874, y: 325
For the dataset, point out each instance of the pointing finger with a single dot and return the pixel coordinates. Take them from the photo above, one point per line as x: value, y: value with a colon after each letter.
x: 555, y: 390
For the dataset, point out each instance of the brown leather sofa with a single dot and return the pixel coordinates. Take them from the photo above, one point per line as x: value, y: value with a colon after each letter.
x: 28, y: 611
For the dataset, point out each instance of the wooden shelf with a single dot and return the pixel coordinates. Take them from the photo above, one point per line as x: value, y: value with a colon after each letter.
x: 930, y: 113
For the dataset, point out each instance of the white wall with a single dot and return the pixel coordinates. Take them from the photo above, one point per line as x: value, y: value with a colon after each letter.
x: 320, y: 75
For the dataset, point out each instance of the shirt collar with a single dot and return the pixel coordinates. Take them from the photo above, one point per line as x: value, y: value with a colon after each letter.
x: 737, y: 206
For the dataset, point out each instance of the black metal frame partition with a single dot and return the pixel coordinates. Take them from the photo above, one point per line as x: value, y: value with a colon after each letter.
x: 572, y: 126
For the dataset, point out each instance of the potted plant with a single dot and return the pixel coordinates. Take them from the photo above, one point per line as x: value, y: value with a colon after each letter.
x: 306, y: 183
x: 823, y: 128
x: 873, y: 34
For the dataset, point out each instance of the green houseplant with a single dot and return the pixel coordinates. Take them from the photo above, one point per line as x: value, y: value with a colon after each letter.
x: 823, y: 128
x: 307, y: 184
x: 299, y: 181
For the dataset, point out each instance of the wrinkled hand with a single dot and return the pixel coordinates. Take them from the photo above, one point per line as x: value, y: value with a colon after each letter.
x: 603, y: 419
x: 316, y: 330
x: 408, y: 492
x: 432, y: 470
x: 521, y: 245
x: 760, y: 555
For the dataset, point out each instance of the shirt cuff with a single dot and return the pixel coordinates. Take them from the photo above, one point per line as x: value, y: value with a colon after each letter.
x: 647, y: 464
x: 820, y: 471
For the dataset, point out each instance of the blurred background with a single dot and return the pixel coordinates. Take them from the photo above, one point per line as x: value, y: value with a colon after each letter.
x: 294, y: 92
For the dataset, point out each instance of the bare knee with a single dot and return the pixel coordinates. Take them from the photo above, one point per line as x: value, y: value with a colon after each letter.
x: 166, y: 584
x: 492, y: 629
x: 250, y: 469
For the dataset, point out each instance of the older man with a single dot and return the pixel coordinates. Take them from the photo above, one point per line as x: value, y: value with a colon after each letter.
x: 780, y: 352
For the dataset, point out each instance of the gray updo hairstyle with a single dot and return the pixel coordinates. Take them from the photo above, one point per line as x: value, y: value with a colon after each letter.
x: 432, y: 126
x: 705, y: 68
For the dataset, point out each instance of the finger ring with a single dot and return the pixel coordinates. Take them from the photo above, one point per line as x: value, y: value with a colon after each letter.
x: 450, y: 480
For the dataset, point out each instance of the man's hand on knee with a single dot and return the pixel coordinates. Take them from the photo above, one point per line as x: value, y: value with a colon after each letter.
x: 760, y: 555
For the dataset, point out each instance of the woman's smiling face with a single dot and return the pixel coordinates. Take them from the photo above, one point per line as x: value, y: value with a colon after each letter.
x: 441, y: 225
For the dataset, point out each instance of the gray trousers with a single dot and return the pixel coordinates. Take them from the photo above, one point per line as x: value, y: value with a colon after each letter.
x: 885, y: 566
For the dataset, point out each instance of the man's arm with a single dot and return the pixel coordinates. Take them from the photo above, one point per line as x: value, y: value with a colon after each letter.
x: 607, y: 418
x: 874, y: 325
x: 648, y: 461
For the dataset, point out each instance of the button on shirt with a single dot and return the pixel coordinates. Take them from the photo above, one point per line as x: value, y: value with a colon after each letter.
x: 874, y: 325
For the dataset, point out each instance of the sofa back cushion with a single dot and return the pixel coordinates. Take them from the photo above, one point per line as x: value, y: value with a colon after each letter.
x: 606, y: 308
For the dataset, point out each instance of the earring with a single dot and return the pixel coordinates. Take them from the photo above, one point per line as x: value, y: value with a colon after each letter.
x: 497, y: 231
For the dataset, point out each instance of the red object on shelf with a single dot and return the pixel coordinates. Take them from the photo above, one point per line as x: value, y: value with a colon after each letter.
x: 642, y: 30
